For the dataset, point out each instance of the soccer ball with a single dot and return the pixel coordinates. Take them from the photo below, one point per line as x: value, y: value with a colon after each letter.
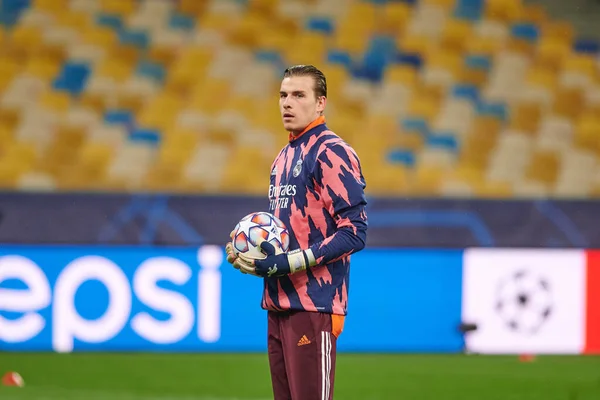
x: 255, y: 226
x: 524, y: 302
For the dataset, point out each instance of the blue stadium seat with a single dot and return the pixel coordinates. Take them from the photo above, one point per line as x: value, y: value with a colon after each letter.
x: 147, y: 136
x: 465, y: 91
x: 402, y: 156
x: 112, y: 21
x: 525, y: 31
x: 496, y: 110
x: 340, y: 57
x: 134, y: 37
x: 14, y: 6
x: 151, y: 70
x: 182, y: 22
x: 478, y: 61
x: 380, y: 52
x: 72, y: 78
x: 588, y: 46
x: 470, y: 10
x: 413, y: 59
x: 320, y: 24
x: 443, y: 140
x: 269, y: 56
x: 415, y: 125
x: 119, y: 117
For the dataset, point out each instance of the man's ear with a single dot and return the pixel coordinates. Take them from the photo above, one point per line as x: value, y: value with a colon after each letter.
x: 321, y: 103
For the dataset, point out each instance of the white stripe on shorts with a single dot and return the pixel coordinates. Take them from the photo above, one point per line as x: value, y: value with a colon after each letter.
x: 325, y: 364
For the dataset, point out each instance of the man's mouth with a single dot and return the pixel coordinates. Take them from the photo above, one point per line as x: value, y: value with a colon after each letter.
x: 288, y: 115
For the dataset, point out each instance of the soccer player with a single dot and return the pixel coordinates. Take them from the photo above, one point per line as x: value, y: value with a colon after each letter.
x: 317, y: 190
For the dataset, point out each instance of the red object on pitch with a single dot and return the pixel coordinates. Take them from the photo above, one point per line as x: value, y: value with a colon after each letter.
x: 526, y: 357
x: 12, y: 379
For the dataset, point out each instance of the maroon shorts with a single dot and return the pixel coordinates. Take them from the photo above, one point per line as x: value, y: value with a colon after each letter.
x: 302, y: 350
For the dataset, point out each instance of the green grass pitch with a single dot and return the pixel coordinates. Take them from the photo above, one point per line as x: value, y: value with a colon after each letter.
x: 245, y: 377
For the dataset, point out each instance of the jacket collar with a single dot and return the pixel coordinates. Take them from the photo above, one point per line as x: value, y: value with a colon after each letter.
x: 319, y: 121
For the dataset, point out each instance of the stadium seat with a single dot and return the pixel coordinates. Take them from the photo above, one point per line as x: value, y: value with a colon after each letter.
x: 490, y: 98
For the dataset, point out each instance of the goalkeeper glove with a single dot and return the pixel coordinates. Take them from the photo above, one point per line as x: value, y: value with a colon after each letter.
x: 236, y: 262
x: 276, y: 263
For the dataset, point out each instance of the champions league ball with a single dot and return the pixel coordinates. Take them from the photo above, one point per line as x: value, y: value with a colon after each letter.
x: 524, y: 302
x: 258, y: 226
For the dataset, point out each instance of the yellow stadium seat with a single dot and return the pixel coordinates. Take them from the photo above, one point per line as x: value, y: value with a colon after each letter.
x: 100, y: 36
x: 403, y: 74
x: 235, y: 175
x: 445, y: 59
x: 18, y: 158
x: 483, y: 45
x: 426, y: 180
x: 55, y: 101
x: 115, y: 69
x: 472, y: 76
x: 159, y: 112
x: 8, y: 70
x: 336, y: 75
x: 24, y: 40
x: 192, y: 7
x: 543, y: 167
x: 503, y: 10
x: 123, y: 8
x: 247, y: 31
x: 350, y: 39
x: 415, y: 44
x: 497, y: 190
x: 520, y: 46
x: 42, y: 67
x: 479, y: 143
x: 384, y: 179
x: 309, y: 48
x: 410, y: 141
x: 274, y: 38
x: 188, y: 70
x: 263, y: 7
x: 73, y: 19
x: 586, y: 133
x: 583, y: 63
x: 50, y: 6
x: 543, y: 77
x: 182, y: 139
x: 533, y: 13
x: 59, y: 154
x: 558, y: 30
x: 394, y: 17
x: 469, y: 174
x: 525, y: 117
x: 551, y: 52
x: 568, y: 102
x: 423, y: 107
x: 211, y: 96
x: 447, y: 5
x: 455, y: 35
x: 173, y: 155
x: 362, y: 15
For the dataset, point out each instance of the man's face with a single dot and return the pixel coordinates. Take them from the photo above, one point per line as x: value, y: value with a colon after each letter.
x: 298, y: 104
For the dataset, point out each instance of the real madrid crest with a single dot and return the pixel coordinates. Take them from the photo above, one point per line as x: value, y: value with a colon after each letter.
x: 297, y: 168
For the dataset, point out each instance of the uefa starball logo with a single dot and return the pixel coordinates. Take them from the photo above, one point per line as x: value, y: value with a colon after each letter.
x: 48, y: 301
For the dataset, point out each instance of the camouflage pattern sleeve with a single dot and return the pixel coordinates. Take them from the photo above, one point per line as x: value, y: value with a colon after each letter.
x: 340, y: 183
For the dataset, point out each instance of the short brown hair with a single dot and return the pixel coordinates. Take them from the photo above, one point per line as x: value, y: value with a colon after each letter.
x: 309, y: 70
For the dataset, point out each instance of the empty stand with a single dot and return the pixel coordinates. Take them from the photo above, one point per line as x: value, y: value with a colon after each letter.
x: 488, y: 98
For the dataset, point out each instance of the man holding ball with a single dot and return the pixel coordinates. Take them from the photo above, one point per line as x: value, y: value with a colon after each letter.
x: 317, y: 190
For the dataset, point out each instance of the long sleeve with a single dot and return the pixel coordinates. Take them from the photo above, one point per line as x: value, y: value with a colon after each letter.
x: 339, y: 180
